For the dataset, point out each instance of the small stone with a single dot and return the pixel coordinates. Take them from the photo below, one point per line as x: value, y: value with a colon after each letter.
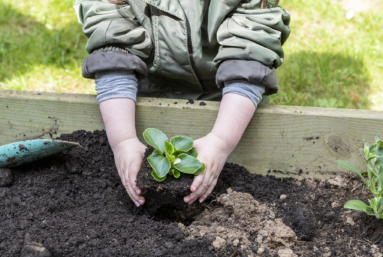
x: 261, y: 250
x: 350, y: 221
x: 335, y: 205
x: 283, y: 197
x: 34, y: 250
x: 235, y: 242
x: 6, y: 177
x: 219, y: 243
x: 327, y: 251
x: 310, y: 183
x: 286, y: 252
x: 338, y: 182
x: 315, y: 249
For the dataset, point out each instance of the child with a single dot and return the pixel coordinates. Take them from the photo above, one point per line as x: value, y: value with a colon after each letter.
x: 183, y: 49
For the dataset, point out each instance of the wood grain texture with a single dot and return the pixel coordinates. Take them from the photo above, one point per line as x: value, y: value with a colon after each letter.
x: 280, y: 140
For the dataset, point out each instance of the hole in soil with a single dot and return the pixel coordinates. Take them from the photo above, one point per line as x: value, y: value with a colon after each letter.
x: 186, y: 216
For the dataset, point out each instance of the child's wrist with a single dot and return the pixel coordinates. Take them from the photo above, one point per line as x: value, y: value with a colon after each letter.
x: 121, y: 144
x: 226, y: 144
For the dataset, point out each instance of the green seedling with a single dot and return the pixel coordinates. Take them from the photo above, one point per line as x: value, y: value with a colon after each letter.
x: 373, y: 178
x: 172, y: 158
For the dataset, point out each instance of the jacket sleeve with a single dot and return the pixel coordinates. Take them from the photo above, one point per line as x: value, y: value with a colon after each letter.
x: 116, y: 39
x: 251, y: 40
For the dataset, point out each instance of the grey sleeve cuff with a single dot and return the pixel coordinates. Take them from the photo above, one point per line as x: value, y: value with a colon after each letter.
x: 251, y: 91
x: 252, y: 72
x: 113, y: 59
x: 116, y: 84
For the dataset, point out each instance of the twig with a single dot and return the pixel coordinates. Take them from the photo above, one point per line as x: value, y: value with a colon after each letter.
x: 212, y: 202
x: 368, y: 241
x: 355, y: 188
x: 234, y: 253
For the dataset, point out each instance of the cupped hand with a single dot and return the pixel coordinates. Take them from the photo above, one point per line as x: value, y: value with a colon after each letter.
x: 128, y: 157
x: 213, y: 152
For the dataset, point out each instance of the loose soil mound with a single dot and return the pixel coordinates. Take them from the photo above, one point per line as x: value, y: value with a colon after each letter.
x: 73, y: 204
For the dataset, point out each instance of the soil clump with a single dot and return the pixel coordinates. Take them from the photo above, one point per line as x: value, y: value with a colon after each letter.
x: 166, y: 194
x: 73, y: 204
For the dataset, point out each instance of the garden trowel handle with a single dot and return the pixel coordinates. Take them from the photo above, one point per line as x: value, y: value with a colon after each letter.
x: 22, y: 152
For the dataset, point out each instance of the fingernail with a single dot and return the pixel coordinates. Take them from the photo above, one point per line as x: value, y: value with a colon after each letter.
x: 201, y: 200
x: 186, y: 199
x: 193, y: 188
x: 137, y: 204
x: 141, y: 202
x: 138, y: 191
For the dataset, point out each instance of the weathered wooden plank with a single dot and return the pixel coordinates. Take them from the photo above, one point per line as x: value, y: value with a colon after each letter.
x: 281, y: 140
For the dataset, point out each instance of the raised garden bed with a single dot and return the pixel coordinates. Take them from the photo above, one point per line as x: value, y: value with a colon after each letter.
x: 73, y: 204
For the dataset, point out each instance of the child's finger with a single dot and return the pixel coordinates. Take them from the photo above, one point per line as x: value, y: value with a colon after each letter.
x: 197, y: 182
x: 135, y: 198
x: 132, y: 175
x: 194, y: 186
x: 200, y: 190
x: 208, y: 192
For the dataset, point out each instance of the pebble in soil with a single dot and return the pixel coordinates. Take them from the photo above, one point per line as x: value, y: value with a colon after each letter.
x: 73, y: 204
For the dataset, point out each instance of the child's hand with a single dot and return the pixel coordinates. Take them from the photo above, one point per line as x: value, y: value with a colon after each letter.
x: 213, y: 152
x: 128, y: 156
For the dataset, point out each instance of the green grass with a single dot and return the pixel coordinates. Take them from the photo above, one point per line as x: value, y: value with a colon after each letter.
x: 329, y: 61
x: 41, y: 47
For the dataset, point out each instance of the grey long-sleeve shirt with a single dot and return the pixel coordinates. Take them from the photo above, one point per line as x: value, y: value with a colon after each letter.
x: 123, y: 84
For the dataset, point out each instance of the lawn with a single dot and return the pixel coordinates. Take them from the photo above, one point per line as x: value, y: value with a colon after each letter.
x: 330, y: 61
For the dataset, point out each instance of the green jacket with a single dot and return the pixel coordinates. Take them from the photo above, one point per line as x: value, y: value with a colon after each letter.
x: 185, y: 48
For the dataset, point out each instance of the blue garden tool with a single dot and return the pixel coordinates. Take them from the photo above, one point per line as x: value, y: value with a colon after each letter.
x: 22, y: 152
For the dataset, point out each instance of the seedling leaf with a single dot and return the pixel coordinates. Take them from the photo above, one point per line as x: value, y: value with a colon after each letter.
x: 155, y: 138
x: 200, y: 170
x: 356, y: 205
x: 380, y: 181
x: 351, y: 167
x: 369, y: 211
x: 193, y: 152
x: 159, y: 163
x: 188, y: 164
x: 379, y: 144
x: 169, y: 148
x: 176, y: 173
x: 171, y: 158
x: 182, y: 143
x: 379, y: 161
x: 154, y: 175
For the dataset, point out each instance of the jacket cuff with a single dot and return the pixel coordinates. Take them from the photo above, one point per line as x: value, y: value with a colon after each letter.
x: 252, y: 72
x: 113, y: 59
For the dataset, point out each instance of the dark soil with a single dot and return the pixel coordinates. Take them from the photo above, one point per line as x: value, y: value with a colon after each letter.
x: 73, y: 204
